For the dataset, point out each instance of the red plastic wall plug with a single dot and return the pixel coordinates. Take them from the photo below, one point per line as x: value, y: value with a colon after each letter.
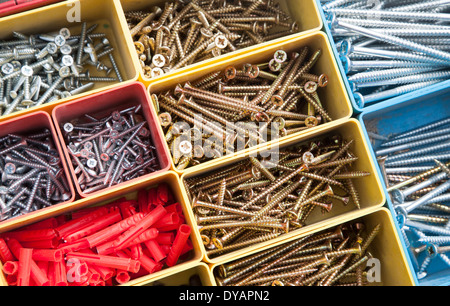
x: 24, y: 273
x: 99, y: 246
x: 126, y: 264
x: 11, y: 267
x: 179, y: 243
x: 5, y: 253
x: 134, y: 231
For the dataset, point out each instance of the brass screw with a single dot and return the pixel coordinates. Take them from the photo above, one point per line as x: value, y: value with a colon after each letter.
x: 181, y: 31
x: 206, y: 103
x: 283, y: 193
x: 322, y: 258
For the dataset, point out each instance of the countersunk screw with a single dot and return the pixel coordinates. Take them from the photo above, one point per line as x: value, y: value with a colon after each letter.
x: 81, y: 43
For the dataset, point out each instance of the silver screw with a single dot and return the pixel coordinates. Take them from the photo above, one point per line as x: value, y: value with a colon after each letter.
x: 418, y: 203
x: 116, y: 68
x: 412, y: 144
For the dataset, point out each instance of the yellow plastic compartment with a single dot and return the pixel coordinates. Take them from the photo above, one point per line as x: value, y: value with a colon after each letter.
x: 305, y: 12
x: 105, y: 13
x: 386, y: 247
x: 333, y: 97
x: 369, y: 187
x: 130, y: 192
x: 181, y: 278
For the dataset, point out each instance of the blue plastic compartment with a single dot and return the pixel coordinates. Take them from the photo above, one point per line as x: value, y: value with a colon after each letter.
x: 399, y: 115
x: 356, y: 107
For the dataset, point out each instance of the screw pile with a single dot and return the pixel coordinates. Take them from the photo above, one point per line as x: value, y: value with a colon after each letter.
x: 332, y: 258
x: 416, y: 165
x: 259, y: 199
x: 32, y: 174
x: 240, y: 107
x: 110, y: 150
x: 43, y: 68
x: 183, y: 33
x: 382, y: 55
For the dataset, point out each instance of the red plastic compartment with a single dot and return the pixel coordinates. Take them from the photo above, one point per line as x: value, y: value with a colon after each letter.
x: 103, y: 104
x: 24, y: 125
x: 18, y: 6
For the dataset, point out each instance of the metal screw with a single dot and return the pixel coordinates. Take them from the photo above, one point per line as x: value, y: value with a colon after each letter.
x: 194, y: 20
x: 110, y: 156
x: 308, y: 260
x: 260, y: 190
x: 365, y: 43
x: 53, y: 54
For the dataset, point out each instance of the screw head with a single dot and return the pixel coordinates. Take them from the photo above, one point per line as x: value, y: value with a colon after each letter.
x: 311, y: 121
x: 185, y: 147
x: 206, y: 33
x: 221, y: 41
x: 398, y: 196
x: 323, y: 80
x: 311, y: 87
x: 26, y: 71
x: 64, y: 72
x: 253, y: 72
x: 88, y: 145
x: 230, y: 73
x: 68, y: 127
x: 104, y: 157
x: 140, y: 48
x: 307, y: 157
x: 260, y: 117
x: 10, y: 168
x: 359, y: 98
x: 52, y: 48
x: 54, y: 161
x: 165, y: 119
x: 84, y: 153
x: 114, y: 134
x: 116, y: 116
x: 89, y: 48
x: 274, y: 65
x: 144, y: 132
x: 156, y: 72
x: 277, y: 100
x: 66, y: 50
x: 7, y: 68
x: 64, y: 32
x: 279, y: 123
x: 280, y: 56
x: 60, y: 40
x: 248, y: 194
x: 91, y: 163
x: 67, y: 60
x: 346, y: 47
x: 27, y: 102
x: 432, y: 250
x: 256, y: 173
x: 159, y: 60
x: 3, y: 190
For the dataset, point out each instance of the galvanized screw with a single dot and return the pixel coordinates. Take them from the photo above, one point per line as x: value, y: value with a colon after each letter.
x: 58, y: 58
x: 33, y: 177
